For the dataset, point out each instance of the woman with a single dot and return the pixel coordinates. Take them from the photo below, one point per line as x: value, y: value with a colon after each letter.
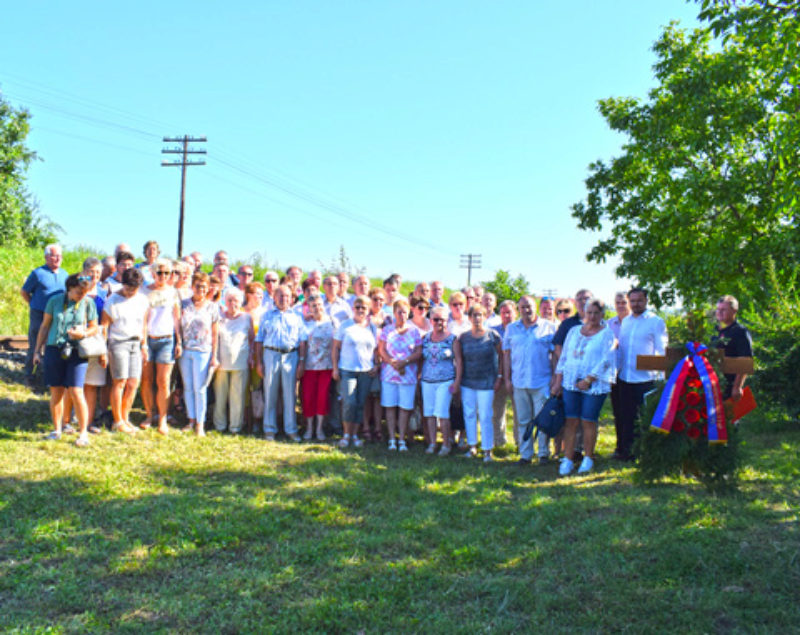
x: 255, y: 307
x: 254, y: 301
x: 68, y: 318
x: 480, y: 352
x: 183, y: 279
x: 585, y: 372
x: 236, y: 335
x: 125, y: 317
x: 564, y: 309
x: 214, y: 290
x: 372, y: 408
x: 199, y: 338
x: 419, y: 315
x: 458, y: 322
x: 151, y: 251
x: 163, y: 347
x: 354, y: 366
x: 95, y: 379
x: 400, y: 348
x: 441, y: 376
x: 319, y: 366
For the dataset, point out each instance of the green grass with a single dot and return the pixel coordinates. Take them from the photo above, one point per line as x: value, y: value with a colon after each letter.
x: 231, y: 534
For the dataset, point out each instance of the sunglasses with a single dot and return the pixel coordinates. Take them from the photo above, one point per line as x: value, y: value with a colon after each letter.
x: 177, y: 272
x: 437, y: 319
x: 360, y: 306
x: 421, y: 307
x: 270, y: 281
x: 246, y: 273
x: 164, y: 273
x: 563, y: 311
x: 84, y: 278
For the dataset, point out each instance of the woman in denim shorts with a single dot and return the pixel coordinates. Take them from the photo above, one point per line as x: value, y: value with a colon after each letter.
x: 585, y: 372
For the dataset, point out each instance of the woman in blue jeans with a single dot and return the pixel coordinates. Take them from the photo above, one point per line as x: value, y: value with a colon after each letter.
x: 585, y: 372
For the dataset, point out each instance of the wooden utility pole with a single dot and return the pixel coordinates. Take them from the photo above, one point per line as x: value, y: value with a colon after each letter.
x: 183, y: 162
x: 470, y: 262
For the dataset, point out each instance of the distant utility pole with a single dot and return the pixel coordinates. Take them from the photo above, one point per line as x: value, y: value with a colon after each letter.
x: 470, y: 262
x: 549, y: 293
x: 183, y: 162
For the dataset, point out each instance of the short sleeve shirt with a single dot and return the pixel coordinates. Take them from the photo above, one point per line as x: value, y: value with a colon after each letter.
x: 320, y: 344
x: 127, y: 316
x: 479, y: 357
x: 234, y: 343
x: 438, y: 359
x: 358, y: 346
x: 196, y: 325
x: 400, y: 346
x: 65, y: 317
x: 42, y: 284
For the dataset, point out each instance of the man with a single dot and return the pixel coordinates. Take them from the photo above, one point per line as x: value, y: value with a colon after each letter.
x: 122, y: 247
x: 478, y: 291
x: 508, y: 313
x: 229, y: 279
x: 197, y: 260
x: 344, y: 285
x: 41, y: 284
x: 546, y: 308
x: 315, y: 276
x: 125, y: 261
x: 528, y: 369
x: 735, y: 339
x: 280, y: 360
x: 391, y: 287
x: 437, y: 295
x: 489, y: 302
x: 245, y: 276
x: 109, y: 265
x: 469, y: 294
x: 222, y: 272
x: 336, y: 308
x: 360, y: 287
x: 423, y: 291
x: 641, y: 333
x: 271, y: 281
x: 615, y: 324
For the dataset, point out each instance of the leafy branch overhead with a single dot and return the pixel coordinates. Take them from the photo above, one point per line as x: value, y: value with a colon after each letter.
x: 705, y: 188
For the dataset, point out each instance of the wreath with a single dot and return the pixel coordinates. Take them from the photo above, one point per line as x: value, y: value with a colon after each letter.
x: 685, y: 426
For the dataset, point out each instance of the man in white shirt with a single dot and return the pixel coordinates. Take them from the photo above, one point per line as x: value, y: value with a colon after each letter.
x: 360, y: 287
x: 641, y: 333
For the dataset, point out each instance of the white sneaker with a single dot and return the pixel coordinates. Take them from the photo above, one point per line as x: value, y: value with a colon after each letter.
x: 566, y: 467
x: 345, y: 441
x: 586, y: 465
x: 487, y: 458
x: 308, y: 435
x: 444, y: 450
x: 392, y: 444
x: 430, y: 449
x: 358, y: 442
x: 402, y: 447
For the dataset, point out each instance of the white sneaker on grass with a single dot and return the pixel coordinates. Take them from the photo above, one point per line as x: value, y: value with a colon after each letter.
x: 586, y: 465
x: 566, y: 467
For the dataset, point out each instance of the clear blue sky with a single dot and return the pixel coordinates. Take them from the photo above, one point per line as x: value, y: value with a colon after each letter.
x: 409, y: 132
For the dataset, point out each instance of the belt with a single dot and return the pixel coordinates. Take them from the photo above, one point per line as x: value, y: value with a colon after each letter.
x: 160, y: 337
x: 282, y: 351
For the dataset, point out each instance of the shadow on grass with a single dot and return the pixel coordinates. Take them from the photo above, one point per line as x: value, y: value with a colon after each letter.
x: 339, y: 542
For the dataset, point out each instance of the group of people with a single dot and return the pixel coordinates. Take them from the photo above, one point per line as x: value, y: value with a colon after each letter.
x: 442, y: 369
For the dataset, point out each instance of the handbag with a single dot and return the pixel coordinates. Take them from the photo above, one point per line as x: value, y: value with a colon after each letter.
x: 550, y: 419
x: 94, y: 345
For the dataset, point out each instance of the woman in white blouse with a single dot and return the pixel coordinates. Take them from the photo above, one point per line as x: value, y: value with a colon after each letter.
x: 236, y: 337
x: 585, y: 372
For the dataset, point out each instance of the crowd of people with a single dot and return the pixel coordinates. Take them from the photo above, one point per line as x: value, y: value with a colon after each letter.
x: 443, y: 370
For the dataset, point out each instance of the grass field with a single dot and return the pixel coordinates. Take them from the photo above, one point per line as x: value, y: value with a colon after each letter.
x: 228, y: 534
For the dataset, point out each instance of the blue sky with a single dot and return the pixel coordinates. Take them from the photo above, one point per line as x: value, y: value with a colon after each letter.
x: 408, y: 132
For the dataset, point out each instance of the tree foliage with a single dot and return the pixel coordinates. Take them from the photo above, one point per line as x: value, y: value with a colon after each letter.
x: 20, y: 220
x: 505, y: 287
x: 705, y: 189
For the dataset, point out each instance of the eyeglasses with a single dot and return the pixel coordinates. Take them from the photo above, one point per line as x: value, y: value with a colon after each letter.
x: 163, y: 273
x: 439, y: 319
x: 360, y: 307
x: 177, y: 272
x: 246, y: 273
x: 421, y: 307
x: 270, y: 281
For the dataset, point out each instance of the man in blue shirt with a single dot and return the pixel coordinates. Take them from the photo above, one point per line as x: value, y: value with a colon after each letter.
x: 280, y: 359
x: 42, y: 283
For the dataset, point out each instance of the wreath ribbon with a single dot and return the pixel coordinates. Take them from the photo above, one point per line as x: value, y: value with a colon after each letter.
x: 667, y: 408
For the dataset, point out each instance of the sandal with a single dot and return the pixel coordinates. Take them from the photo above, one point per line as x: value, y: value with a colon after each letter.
x: 82, y: 441
x: 367, y: 434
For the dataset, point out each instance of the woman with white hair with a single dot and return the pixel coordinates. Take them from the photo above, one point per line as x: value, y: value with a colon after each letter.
x: 236, y: 337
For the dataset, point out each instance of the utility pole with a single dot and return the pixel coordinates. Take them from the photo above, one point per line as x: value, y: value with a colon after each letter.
x: 183, y: 162
x: 549, y: 293
x: 470, y: 262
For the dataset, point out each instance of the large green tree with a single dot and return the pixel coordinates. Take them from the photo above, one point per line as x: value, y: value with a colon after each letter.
x: 706, y: 186
x: 20, y: 221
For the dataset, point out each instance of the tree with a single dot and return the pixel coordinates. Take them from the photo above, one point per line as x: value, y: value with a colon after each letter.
x: 20, y: 220
x: 705, y: 189
x: 341, y: 262
x: 505, y: 287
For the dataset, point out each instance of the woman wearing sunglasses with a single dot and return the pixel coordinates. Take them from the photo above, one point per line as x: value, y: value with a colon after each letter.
x: 441, y: 376
x: 163, y: 323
